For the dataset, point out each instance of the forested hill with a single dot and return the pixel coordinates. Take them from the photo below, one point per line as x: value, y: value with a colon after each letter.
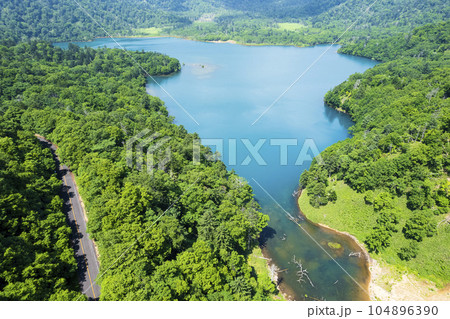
x: 204, y: 221
x: 281, y: 9
x: 431, y: 42
x: 398, y: 159
x: 64, y: 19
x: 384, y: 15
x: 294, y: 22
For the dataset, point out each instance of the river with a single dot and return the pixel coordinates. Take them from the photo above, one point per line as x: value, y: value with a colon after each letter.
x: 221, y: 93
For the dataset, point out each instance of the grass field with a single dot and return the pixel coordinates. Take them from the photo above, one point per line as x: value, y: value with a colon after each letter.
x: 351, y: 214
x: 288, y: 26
x: 147, y: 32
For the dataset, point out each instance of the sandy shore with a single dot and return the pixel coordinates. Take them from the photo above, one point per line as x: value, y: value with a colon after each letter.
x: 388, y: 283
x: 220, y: 41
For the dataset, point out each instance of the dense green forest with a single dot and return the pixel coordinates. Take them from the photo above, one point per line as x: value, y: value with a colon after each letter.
x: 429, y: 42
x: 89, y: 102
x: 37, y: 262
x: 290, y: 22
x: 64, y: 19
x: 306, y: 22
x: 400, y: 148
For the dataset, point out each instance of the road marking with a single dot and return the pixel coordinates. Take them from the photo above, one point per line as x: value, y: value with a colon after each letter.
x: 81, y: 243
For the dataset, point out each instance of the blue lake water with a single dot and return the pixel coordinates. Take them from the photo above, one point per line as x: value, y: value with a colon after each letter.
x: 225, y: 88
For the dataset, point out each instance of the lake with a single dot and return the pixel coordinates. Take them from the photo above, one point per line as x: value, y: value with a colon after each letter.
x: 221, y: 93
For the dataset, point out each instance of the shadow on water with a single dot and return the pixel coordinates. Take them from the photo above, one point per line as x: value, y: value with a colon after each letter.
x: 332, y: 115
x: 266, y: 234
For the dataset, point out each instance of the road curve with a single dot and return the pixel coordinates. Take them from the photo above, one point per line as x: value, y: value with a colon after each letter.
x: 88, y: 266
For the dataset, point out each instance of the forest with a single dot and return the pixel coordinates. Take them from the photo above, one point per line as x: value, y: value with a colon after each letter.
x: 37, y: 260
x: 400, y: 145
x: 305, y: 23
x: 89, y: 102
x: 64, y: 20
x: 288, y: 22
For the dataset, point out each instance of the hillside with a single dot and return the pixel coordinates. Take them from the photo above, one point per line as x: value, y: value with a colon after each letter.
x: 398, y: 159
x: 64, y: 20
x: 291, y: 22
x: 430, y: 42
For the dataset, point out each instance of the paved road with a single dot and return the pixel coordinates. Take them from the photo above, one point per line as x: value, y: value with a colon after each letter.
x: 88, y: 267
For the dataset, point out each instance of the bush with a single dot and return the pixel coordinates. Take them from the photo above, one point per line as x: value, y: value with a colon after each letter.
x: 389, y: 220
x: 383, y: 200
x: 332, y: 196
x: 379, y: 238
x: 369, y: 197
x: 409, y: 252
x: 318, y: 194
x: 415, y: 200
x: 419, y: 226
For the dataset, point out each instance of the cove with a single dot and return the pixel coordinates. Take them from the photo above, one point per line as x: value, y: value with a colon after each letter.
x: 225, y: 88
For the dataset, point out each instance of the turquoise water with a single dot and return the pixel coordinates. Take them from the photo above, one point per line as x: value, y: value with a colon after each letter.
x: 225, y: 88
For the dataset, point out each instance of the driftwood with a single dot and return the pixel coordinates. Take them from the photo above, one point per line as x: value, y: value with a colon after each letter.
x: 274, y: 272
x: 301, y: 273
x: 262, y: 257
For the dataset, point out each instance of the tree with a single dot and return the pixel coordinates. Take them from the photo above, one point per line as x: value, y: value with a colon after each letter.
x: 388, y: 219
x: 369, y: 197
x: 378, y: 239
x: 408, y: 252
x: 416, y: 198
x: 382, y: 201
x: 36, y: 260
x: 332, y: 196
x: 421, y: 225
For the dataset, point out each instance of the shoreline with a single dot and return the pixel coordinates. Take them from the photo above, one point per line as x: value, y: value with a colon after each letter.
x: 268, y: 264
x: 387, y: 282
x: 222, y: 41
x: 368, y: 260
x: 230, y: 41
